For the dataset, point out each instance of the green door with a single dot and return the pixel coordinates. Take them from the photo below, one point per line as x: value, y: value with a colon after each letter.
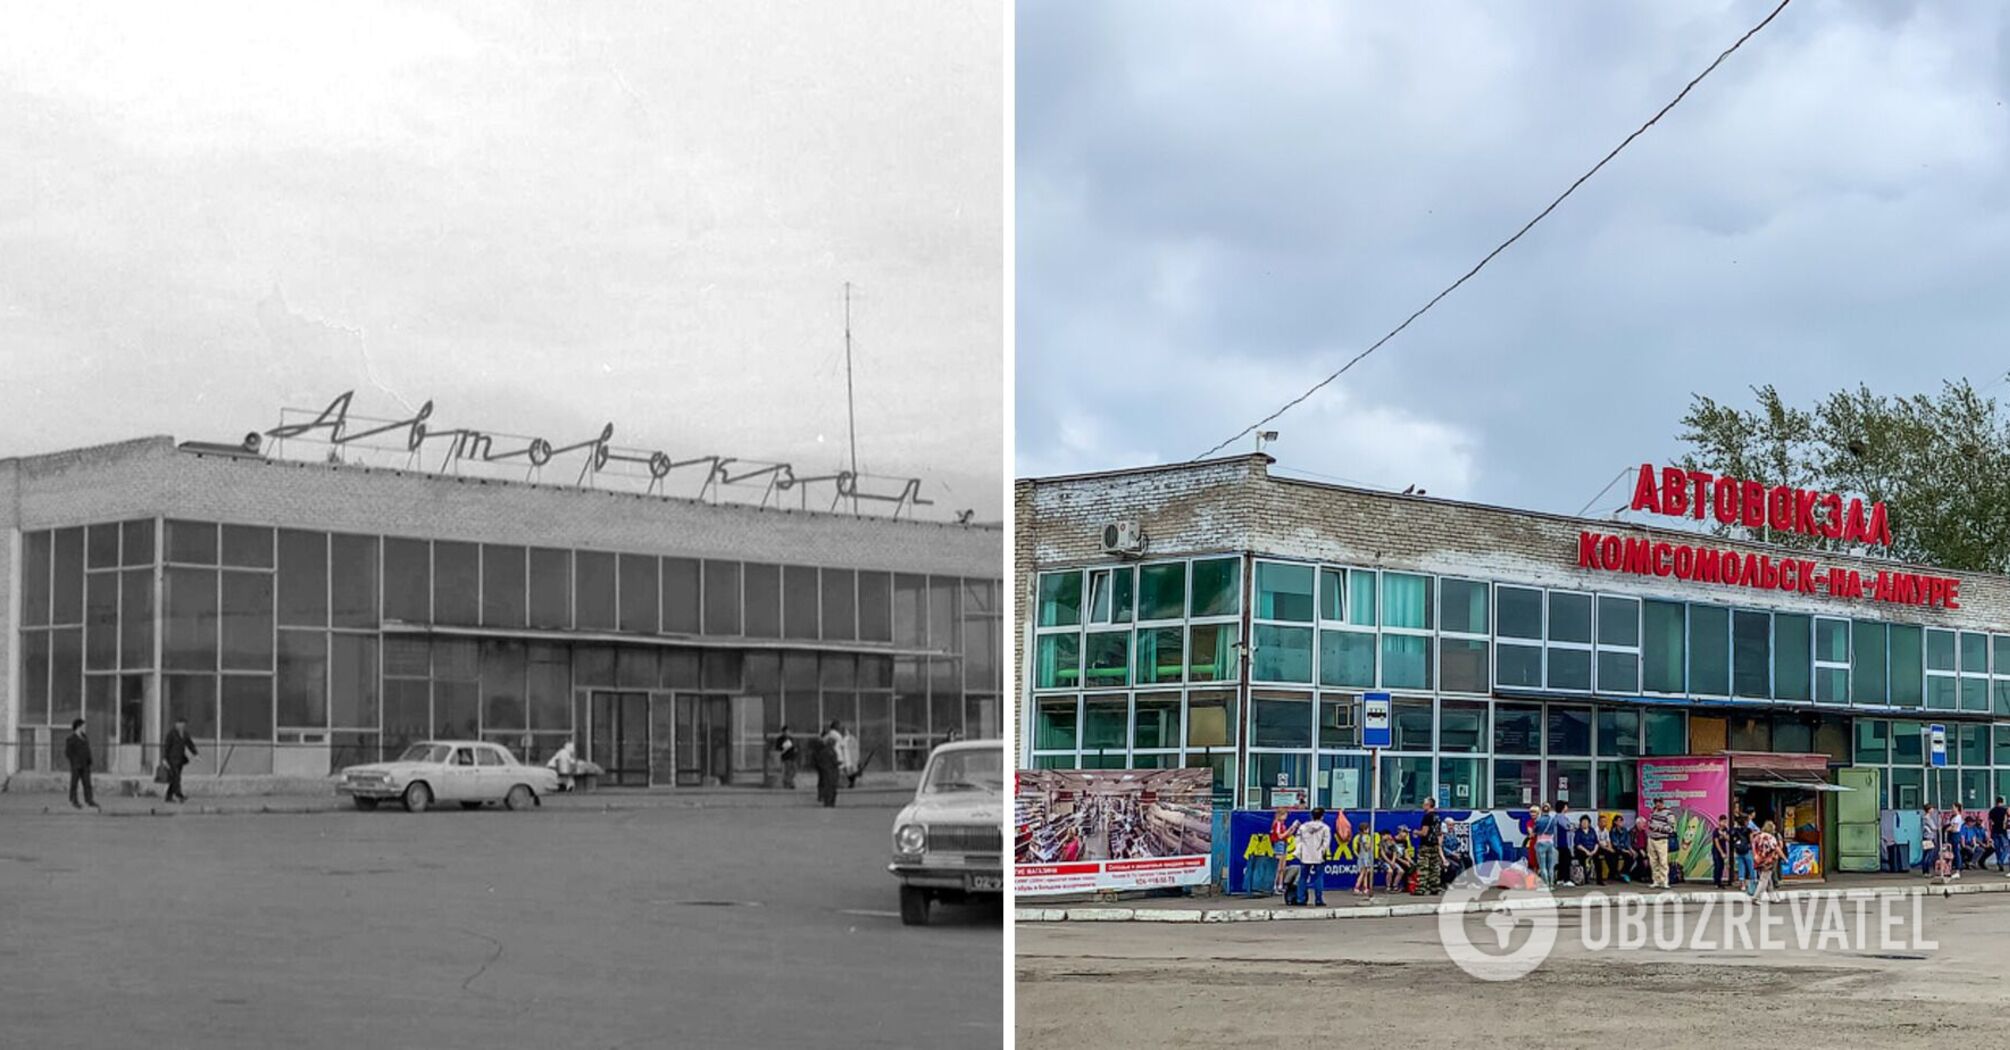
x: 1857, y: 836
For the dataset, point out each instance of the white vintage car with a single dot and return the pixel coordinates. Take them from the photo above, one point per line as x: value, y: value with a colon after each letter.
x: 948, y: 844
x: 469, y: 772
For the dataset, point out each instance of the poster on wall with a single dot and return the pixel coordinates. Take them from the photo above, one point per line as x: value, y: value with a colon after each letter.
x: 1698, y: 790
x: 1483, y: 839
x: 1078, y: 831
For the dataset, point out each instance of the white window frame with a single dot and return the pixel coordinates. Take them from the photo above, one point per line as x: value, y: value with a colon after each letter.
x: 1600, y: 648
x: 1484, y: 637
x: 1039, y: 632
x: 1428, y: 633
x: 1257, y: 622
x: 1589, y: 648
x: 1103, y: 580
x: 1820, y: 665
x: 1238, y: 645
x: 1768, y: 614
x: 1345, y: 625
x: 1689, y: 654
x: 1537, y: 643
x: 1926, y: 661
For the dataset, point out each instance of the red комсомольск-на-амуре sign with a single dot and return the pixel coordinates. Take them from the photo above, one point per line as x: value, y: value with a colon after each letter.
x: 1685, y: 561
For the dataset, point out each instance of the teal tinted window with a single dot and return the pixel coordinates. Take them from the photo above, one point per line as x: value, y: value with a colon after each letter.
x: 1867, y: 663
x: 1793, y: 646
x: 1465, y: 607
x: 1751, y: 645
x: 1907, y: 660
x: 1283, y: 654
x: 1347, y: 658
x: 1284, y: 592
x: 1662, y: 646
x: 1406, y: 601
x: 1709, y: 650
x: 1161, y: 591
x: 1217, y: 587
x: 1060, y: 603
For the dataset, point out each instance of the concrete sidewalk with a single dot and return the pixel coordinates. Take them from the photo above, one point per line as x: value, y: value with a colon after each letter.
x: 604, y: 800
x: 1343, y: 905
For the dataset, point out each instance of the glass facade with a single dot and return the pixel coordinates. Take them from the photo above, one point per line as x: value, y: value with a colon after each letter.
x: 300, y: 651
x: 1503, y: 692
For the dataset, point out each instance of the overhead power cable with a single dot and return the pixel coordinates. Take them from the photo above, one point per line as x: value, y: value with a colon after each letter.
x: 1503, y: 246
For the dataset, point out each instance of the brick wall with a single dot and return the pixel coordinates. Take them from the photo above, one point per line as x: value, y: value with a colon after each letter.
x: 1228, y: 505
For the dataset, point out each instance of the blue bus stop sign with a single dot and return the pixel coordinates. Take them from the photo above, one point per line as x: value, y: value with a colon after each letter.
x: 1936, y: 744
x: 1375, y: 720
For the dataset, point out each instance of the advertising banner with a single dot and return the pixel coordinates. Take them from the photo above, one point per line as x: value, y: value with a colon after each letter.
x: 1078, y: 831
x: 1698, y: 790
x: 1471, y: 838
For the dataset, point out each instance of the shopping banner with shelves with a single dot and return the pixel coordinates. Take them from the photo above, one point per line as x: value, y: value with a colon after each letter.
x: 1077, y: 831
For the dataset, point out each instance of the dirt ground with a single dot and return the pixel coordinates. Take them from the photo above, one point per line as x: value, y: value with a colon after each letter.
x: 1154, y: 985
x: 662, y: 926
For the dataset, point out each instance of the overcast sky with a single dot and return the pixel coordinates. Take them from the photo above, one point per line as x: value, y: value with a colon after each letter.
x: 543, y: 217
x: 1218, y: 204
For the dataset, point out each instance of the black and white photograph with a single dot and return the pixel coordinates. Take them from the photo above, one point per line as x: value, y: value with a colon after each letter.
x: 502, y: 524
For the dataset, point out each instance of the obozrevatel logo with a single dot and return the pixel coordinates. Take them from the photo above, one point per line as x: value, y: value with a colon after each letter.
x: 1512, y: 931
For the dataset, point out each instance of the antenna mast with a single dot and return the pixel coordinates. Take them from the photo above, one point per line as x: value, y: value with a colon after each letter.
x: 851, y: 406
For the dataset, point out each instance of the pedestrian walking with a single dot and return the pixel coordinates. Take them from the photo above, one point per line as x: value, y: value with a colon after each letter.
x: 1430, y: 852
x: 829, y: 766
x: 786, y: 756
x: 1950, y: 841
x: 1545, y: 845
x: 77, y: 749
x: 1660, y: 826
x: 1311, y: 845
x: 1999, y: 834
x: 1741, y: 847
x: 1720, y: 853
x: 1766, y: 854
x: 175, y: 752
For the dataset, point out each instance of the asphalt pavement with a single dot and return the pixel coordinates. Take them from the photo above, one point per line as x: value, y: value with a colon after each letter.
x: 667, y: 924
x: 1154, y: 984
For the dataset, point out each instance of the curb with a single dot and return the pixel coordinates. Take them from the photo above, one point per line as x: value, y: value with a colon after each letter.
x: 1386, y: 911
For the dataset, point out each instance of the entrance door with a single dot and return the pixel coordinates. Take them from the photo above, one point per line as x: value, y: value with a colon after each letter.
x: 705, y: 735
x: 620, y: 739
x: 1860, y: 840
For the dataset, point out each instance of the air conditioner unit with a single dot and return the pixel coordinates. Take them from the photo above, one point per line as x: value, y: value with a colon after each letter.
x: 1123, y: 537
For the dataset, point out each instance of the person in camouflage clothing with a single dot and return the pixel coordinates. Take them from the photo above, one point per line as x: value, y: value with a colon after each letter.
x: 1431, y: 852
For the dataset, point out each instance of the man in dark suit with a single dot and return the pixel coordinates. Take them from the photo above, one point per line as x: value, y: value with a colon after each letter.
x: 78, y: 750
x: 174, y: 752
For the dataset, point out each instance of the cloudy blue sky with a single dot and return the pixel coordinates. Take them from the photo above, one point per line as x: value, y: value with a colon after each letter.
x: 543, y: 217
x: 1219, y: 203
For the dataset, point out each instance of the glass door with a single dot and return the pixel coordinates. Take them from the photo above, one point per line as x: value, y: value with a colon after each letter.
x: 620, y: 737
x: 663, y: 737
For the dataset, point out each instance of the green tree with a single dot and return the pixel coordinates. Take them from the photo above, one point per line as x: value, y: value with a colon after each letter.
x: 1940, y: 463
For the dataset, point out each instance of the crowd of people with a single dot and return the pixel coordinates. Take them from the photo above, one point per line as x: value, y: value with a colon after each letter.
x: 1562, y: 850
x: 1956, y: 840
